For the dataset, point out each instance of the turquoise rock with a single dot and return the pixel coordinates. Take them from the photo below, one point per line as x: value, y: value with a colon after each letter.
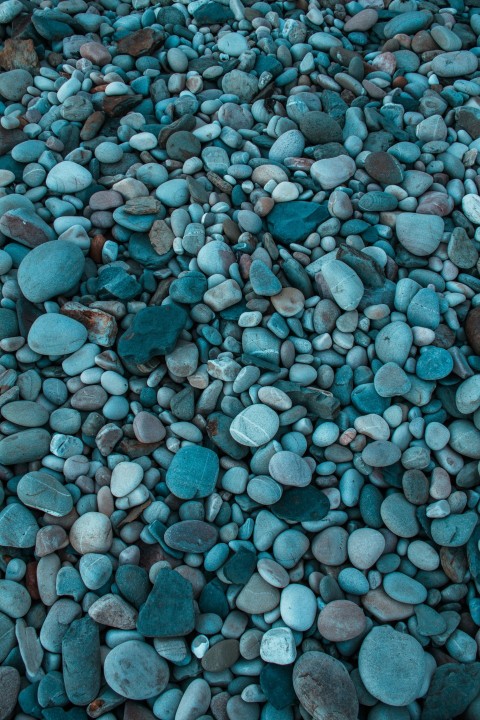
x: 18, y: 527
x: 51, y: 269
x: 41, y: 491
x: 81, y: 661
x: 168, y: 610
x: 24, y: 446
x: 193, y: 472
x: 292, y: 222
x: 54, y: 334
x: 154, y: 331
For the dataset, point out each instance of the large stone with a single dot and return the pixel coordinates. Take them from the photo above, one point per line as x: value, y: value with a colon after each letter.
x: 294, y: 221
x: 81, y: 661
x: 193, y: 472
x: 135, y: 671
x: 53, y: 268
x: 154, y: 331
x: 168, y: 610
x: 324, y: 688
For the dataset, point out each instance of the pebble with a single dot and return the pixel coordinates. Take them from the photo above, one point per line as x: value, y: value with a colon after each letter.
x: 239, y: 349
x: 392, y: 666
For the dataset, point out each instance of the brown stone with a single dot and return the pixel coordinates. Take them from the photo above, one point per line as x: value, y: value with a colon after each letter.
x: 96, y: 247
x: 141, y: 42
x: 221, y: 656
x: 148, y: 428
x: 105, y: 200
x: 324, y: 688
x: 31, y: 580
x: 102, y: 328
x: 384, y: 167
x: 97, y: 53
x: 161, y: 237
x: 454, y: 563
x: 472, y: 329
x: 341, y: 620
x: 92, y: 125
x: 142, y: 206
x: 385, y: 608
x: 18, y: 55
x: 186, y: 122
x: 120, y: 105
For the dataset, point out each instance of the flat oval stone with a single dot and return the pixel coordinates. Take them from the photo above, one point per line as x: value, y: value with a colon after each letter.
x: 324, y: 688
x: 365, y: 546
x: 53, y: 268
x: 192, y: 536
x: 419, y: 234
x: 403, y: 588
x: 332, y: 172
x: 135, y: 671
x: 92, y: 532
x: 298, y: 607
x: 258, y: 596
x: 343, y: 282
x: 392, y: 666
x: 341, y: 620
x: 302, y: 505
x: 381, y: 453
x: 54, y: 334
x: 193, y: 472
x: 288, y: 468
x: 454, y: 64
x: 68, y: 177
x: 15, y: 600
x: 25, y: 446
x: 221, y: 656
x: 255, y: 426
x: 41, y: 491
x: 25, y: 413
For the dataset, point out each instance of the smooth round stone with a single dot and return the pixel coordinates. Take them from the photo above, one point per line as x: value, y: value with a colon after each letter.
x: 278, y: 646
x: 41, y: 491
x: 399, y: 515
x: 419, y: 234
x: 257, y: 597
x: 434, y: 364
x: 215, y: 258
x: 454, y: 530
x: 333, y: 172
x: 15, y: 600
x: 288, y: 468
x: 54, y: 334
x: 193, y: 472
x: 14, y: 84
x: 108, y: 152
x: 471, y: 207
x: 264, y: 282
x: 53, y: 268
x: 423, y: 555
x: 392, y: 666
x: 298, y: 607
x: 126, y: 476
x: 18, y: 527
x: 193, y: 536
x: 173, y: 193
x: 95, y: 570
x: 454, y: 64
x: 68, y: 177
x: 381, y: 453
x: 384, y: 167
x: 25, y: 413
x: 465, y: 438
x: 273, y: 572
x: 404, y: 588
x: 391, y: 380
x: 365, y: 546
x: 289, y: 144
x: 92, y: 532
x: 148, y: 428
x: 330, y: 546
x: 341, y: 620
x: 343, y: 282
x: 232, y: 44
x: 24, y: 446
x: 255, y: 426
x: 324, y: 687
x: 467, y: 396
x: 353, y: 581
x: 135, y: 671
x: 393, y: 343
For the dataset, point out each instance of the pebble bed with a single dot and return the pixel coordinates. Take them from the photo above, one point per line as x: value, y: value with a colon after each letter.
x: 239, y: 360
